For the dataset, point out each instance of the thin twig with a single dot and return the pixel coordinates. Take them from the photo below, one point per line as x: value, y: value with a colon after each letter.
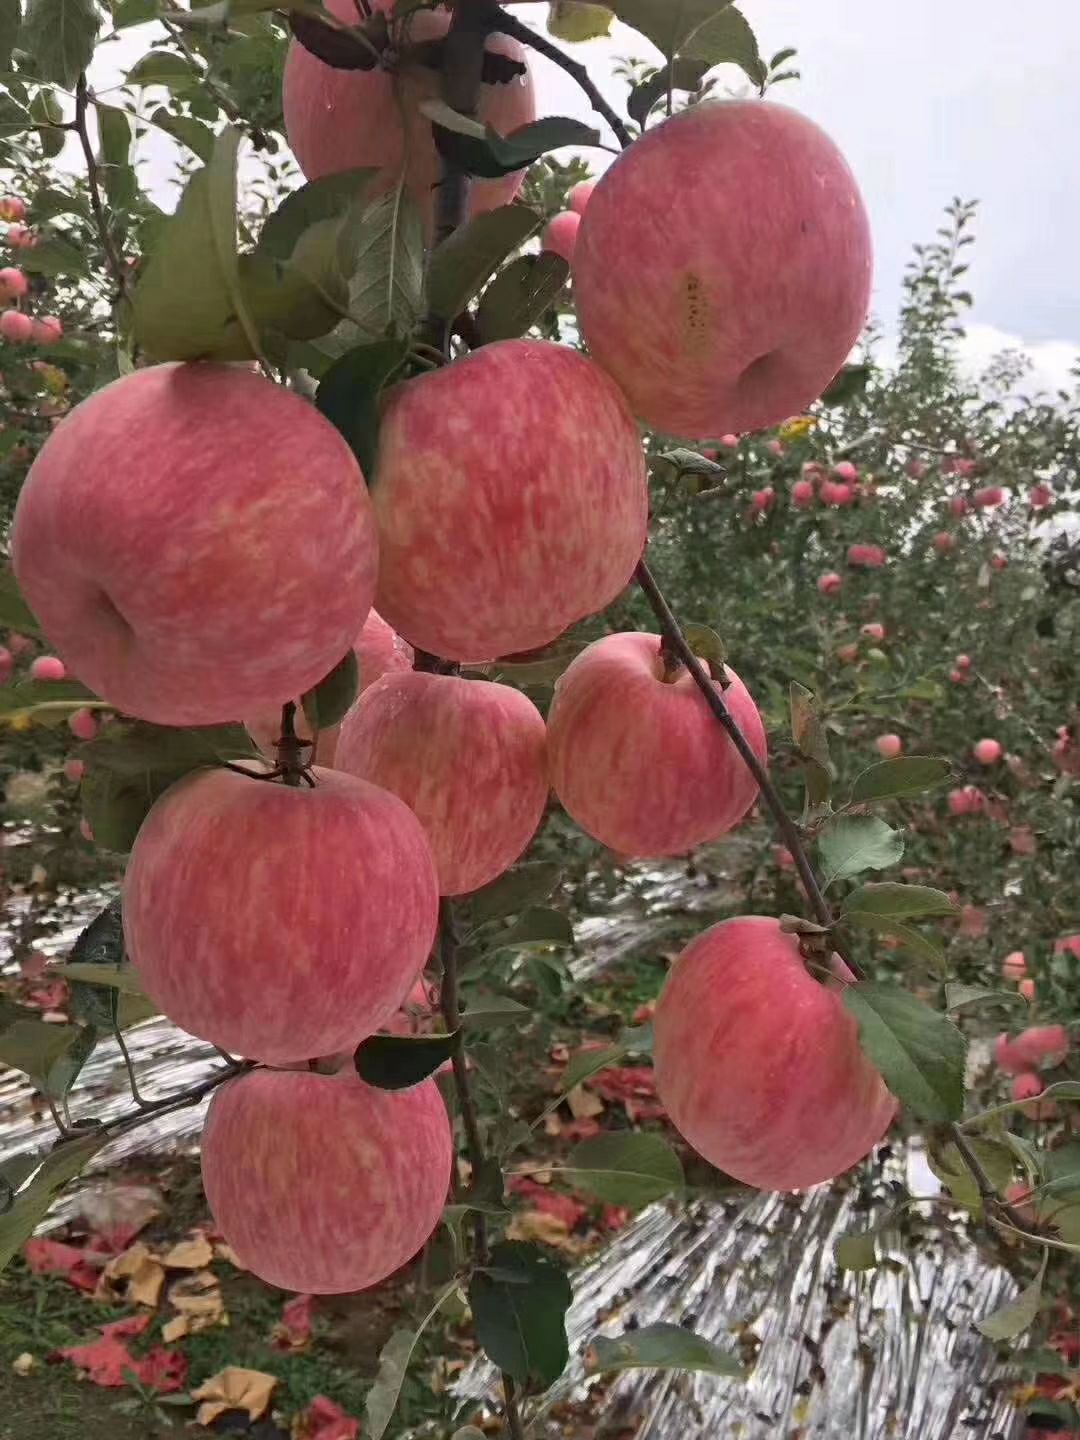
x: 987, y: 1194
x: 126, y: 1053
x: 508, y: 24
x: 231, y: 111
x: 672, y: 633
x: 113, y: 257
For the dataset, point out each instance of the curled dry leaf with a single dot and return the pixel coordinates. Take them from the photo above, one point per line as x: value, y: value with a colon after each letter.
x: 193, y: 1254
x: 234, y: 1389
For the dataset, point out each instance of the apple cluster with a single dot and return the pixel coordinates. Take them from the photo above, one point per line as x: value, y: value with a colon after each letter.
x: 201, y: 546
x: 17, y: 326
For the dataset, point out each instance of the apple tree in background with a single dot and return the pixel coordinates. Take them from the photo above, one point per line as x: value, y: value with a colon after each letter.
x: 349, y: 471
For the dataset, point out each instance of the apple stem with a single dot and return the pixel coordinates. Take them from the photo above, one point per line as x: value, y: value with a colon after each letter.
x: 291, y: 766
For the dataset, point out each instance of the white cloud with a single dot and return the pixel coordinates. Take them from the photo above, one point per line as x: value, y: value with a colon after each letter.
x: 1051, y: 360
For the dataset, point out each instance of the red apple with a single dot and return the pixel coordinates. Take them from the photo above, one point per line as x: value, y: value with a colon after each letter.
x: 917, y: 469
x: 1027, y: 988
x: 345, y: 119
x: 762, y: 501
x: 640, y: 762
x: 13, y: 283
x: 1040, y: 496
x: 834, y: 494
x: 830, y: 584
x: 467, y: 757
x: 20, y: 237
x: 758, y: 1062
x: 775, y: 447
x: 12, y: 208
x: 15, y: 327
x: 847, y: 653
x: 802, y: 494
x: 47, y: 330
x: 7, y: 664
x: 741, y: 294
x: 963, y: 662
x: 968, y: 800
x: 279, y: 922
x: 560, y: 234
x: 320, y: 1183
x: 874, y: 631
x: 173, y: 557
x: 1014, y: 966
x: 958, y: 505
x: 47, y: 667
x: 1043, y: 1045
x: 869, y: 557
x: 1028, y: 1086
x: 987, y: 752
x: 74, y: 770
x: 83, y: 724
x: 845, y: 470
x: 944, y: 541
x: 1068, y: 945
x: 502, y: 524
x: 580, y: 195
x: 988, y: 498
x: 729, y: 442
x: 889, y: 746
x: 379, y: 650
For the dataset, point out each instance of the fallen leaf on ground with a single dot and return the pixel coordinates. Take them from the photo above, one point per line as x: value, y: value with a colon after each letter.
x: 53, y: 1257
x: 632, y: 1086
x: 615, y: 1217
x: 536, y: 1225
x: 194, y: 1254
x: 234, y: 1389
x: 550, y: 1202
x: 293, y: 1330
x: 224, y: 1251
x: 324, y: 1420
x: 199, y: 1300
x: 108, y: 1361
x: 137, y: 1276
x: 584, y: 1105
x: 23, y: 1364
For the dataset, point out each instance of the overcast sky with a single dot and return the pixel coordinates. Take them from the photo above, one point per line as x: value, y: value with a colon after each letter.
x: 928, y: 99
x: 934, y: 98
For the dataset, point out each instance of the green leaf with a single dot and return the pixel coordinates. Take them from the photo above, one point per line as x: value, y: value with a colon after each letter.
x: 487, y: 1012
x: 15, y: 614
x: 850, y: 844
x: 1015, y: 1317
x: 49, y: 114
x: 857, y: 1250
x: 811, y: 742
x: 44, y: 702
x: 948, y: 1165
x: 919, y: 1052
x: 578, y: 20
x: 589, y: 1062
x: 10, y: 20
x: 683, y: 464
x: 907, y: 775
x: 348, y: 395
x: 188, y: 304
x: 53, y: 256
x: 382, y: 1399
x: 910, y: 938
x: 60, y: 35
x: 163, y: 67
x: 329, y: 701
x: 850, y: 384
x: 129, y: 765
x: 889, y: 899
x: 134, y: 12
x: 537, y: 926
x: 116, y: 170
x: 958, y: 995
x: 707, y: 645
x: 519, y: 295
x: 64, y: 1071
x: 709, y: 30
x: 32, y: 1202
x: 105, y: 990
x: 325, y: 199
x: 38, y: 1049
x: 481, y: 150
x: 398, y: 1062
x: 519, y: 1303
x: 463, y: 263
x: 188, y: 131
x: 661, y: 1347
x: 523, y: 886
x: 684, y: 74
x: 386, y: 288
x: 625, y: 1169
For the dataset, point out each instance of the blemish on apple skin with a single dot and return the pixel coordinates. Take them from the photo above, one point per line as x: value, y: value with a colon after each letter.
x: 696, y: 310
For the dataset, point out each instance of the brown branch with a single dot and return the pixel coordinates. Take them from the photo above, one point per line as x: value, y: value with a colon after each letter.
x: 991, y: 1201
x: 113, y: 257
x: 677, y: 643
x: 508, y: 24
x: 258, y: 135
